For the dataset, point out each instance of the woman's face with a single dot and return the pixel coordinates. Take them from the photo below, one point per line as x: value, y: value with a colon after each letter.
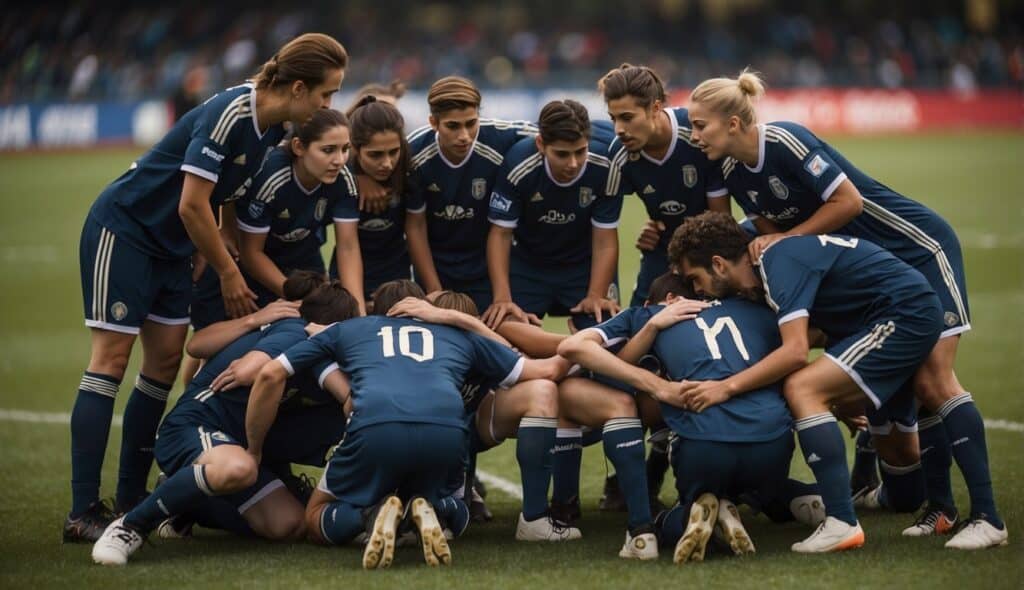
x: 325, y: 157
x: 305, y: 100
x: 380, y: 156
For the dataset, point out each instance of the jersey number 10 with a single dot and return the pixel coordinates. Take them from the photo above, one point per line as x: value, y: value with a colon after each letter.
x: 387, y: 335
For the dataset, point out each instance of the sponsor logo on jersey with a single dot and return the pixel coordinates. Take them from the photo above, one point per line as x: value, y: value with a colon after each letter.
x: 119, y: 310
x: 479, y: 188
x: 500, y: 203
x: 256, y: 208
x: 434, y: 188
x: 212, y: 154
x: 240, y: 160
x: 320, y: 209
x: 780, y: 190
x: 784, y: 215
x: 284, y: 215
x: 689, y: 175
x: 536, y: 198
x: 753, y: 196
x: 951, y: 319
x: 557, y: 218
x: 376, y: 224
x: 586, y: 196
x: 672, y: 208
x: 296, y: 235
x: 454, y: 213
x: 649, y: 190
x: 816, y: 166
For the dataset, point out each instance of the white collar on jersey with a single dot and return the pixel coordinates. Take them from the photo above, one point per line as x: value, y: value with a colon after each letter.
x: 571, y: 182
x: 469, y: 154
x: 675, y: 137
x: 298, y: 183
x: 252, y: 105
x: 760, y: 150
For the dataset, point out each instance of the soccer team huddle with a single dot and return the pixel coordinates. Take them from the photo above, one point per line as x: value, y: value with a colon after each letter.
x: 419, y: 344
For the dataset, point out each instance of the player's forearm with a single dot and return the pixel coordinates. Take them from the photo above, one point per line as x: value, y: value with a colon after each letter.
x: 499, y: 249
x: 419, y: 252
x: 350, y: 264
x: 466, y: 322
x: 841, y: 208
x: 261, y: 410
x: 639, y: 344
x: 720, y: 204
x: 769, y: 370
x: 212, y: 339
x: 604, y: 261
x: 765, y: 226
x: 262, y: 268
x: 202, y: 230
x: 531, y: 340
x: 592, y: 355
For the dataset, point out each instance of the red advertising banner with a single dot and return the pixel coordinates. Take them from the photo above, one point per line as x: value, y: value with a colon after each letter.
x: 888, y: 111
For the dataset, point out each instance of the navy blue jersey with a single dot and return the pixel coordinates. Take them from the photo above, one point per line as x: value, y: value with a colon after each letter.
x: 404, y: 370
x: 218, y: 140
x: 454, y: 196
x: 381, y: 236
x: 673, y: 188
x: 841, y: 283
x: 292, y: 216
x: 553, y: 220
x: 724, y: 339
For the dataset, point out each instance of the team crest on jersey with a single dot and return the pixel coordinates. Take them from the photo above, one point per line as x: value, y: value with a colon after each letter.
x: 753, y: 196
x: 780, y: 190
x: 586, y: 196
x: 689, y: 175
x: 672, y: 208
x: 256, y: 208
x: 951, y: 319
x: 479, y: 188
x: 320, y: 209
x: 119, y: 310
x: 816, y: 166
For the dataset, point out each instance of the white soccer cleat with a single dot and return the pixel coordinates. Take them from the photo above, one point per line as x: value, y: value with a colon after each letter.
x: 979, y: 534
x: 809, y: 510
x: 832, y: 535
x: 643, y: 547
x: 730, y: 531
x: 116, y: 544
x: 694, y: 542
x: 380, y: 546
x: 172, y: 528
x: 545, y: 528
x: 933, y: 521
x: 870, y: 499
x: 435, y: 546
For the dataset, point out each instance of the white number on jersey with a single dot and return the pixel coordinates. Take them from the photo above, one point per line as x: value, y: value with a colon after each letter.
x: 837, y: 241
x: 405, y: 345
x: 711, y: 336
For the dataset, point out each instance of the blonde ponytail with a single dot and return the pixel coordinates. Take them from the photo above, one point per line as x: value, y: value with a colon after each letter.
x: 731, y: 97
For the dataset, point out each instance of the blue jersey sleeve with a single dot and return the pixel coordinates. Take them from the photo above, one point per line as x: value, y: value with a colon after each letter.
x: 607, y: 210
x: 312, y: 351
x: 617, y: 329
x: 279, y: 337
x: 618, y: 183
x: 804, y: 155
x: 346, y: 207
x: 496, y: 361
x: 716, y: 182
x: 208, y: 146
x: 789, y: 285
x: 505, y: 205
x: 256, y: 210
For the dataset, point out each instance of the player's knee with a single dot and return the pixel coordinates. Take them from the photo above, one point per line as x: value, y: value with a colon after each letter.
x: 238, y: 474
x: 286, y: 525
x: 932, y: 390
x: 799, y: 388
x: 543, y: 398
x: 109, y: 362
x: 622, y: 405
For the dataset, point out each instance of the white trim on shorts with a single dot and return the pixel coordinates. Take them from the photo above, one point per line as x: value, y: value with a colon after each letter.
x: 159, y: 319
x: 134, y: 330
x: 263, y: 493
x: 856, y: 379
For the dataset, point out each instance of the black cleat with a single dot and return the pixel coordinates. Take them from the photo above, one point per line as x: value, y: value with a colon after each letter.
x: 89, y: 526
x: 612, y: 499
x: 569, y: 512
x: 478, y: 511
x: 301, y: 486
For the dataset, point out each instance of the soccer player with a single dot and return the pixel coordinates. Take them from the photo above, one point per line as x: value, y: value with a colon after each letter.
x: 880, y: 316
x: 134, y: 259
x: 371, y: 243
x: 654, y: 156
x: 455, y: 161
x: 553, y: 245
x: 792, y: 183
x: 202, y: 443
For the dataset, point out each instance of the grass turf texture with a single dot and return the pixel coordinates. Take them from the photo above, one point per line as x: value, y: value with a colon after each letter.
x: 974, y: 180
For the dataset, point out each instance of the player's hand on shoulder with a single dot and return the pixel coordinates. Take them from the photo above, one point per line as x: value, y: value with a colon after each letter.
x: 415, y: 307
x: 373, y: 196
x: 759, y: 244
x: 601, y: 308
x: 500, y: 311
x: 275, y: 310
x: 650, y: 235
x: 238, y: 374
x: 680, y: 310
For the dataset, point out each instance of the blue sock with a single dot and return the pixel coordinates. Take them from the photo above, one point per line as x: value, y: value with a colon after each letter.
x: 340, y: 522
x: 825, y: 453
x: 141, y: 419
x: 624, y: 447
x: 966, y: 431
x: 936, y: 460
x: 534, y: 442
x: 453, y: 514
x: 178, y: 495
x: 865, y: 459
x: 565, y: 465
x: 671, y: 524
x: 90, y: 428
x: 903, y: 487
x: 218, y: 513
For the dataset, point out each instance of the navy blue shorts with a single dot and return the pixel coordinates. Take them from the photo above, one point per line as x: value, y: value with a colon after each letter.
x: 410, y: 459
x: 653, y: 264
x: 899, y: 413
x: 884, y: 356
x: 123, y: 287
x: 728, y: 469
x: 305, y: 435
x: 543, y: 290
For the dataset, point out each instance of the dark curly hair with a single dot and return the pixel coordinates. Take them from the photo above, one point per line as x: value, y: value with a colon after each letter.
x: 703, y: 236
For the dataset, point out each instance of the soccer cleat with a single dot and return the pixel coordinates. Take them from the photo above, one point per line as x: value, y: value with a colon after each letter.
x: 979, y: 533
x: 933, y: 521
x: 729, y: 529
x: 868, y: 498
x: 175, y: 527
x: 545, y: 528
x: 809, y: 510
x: 643, y: 545
x: 435, y: 546
x: 694, y: 542
x: 832, y: 535
x: 478, y: 511
x: 612, y: 499
x: 568, y: 512
x: 116, y: 544
x: 380, y: 545
x: 301, y: 486
x: 89, y: 525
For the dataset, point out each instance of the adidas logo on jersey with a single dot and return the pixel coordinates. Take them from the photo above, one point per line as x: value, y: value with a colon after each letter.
x: 648, y: 190
x: 557, y: 218
x: 813, y: 458
x: 240, y: 160
x: 434, y: 188
x: 536, y: 198
x: 285, y: 215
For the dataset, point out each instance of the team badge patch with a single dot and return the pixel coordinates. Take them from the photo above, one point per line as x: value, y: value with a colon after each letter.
x: 780, y: 190
x: 479, y: 188
x: 256, y: 208
x: 321, y: 208
x: 689, y: 175
x: 500, y: 203
x: 119, y: 310
x: 816, y: 166
x: 951, y: 319
x: 586, y: 196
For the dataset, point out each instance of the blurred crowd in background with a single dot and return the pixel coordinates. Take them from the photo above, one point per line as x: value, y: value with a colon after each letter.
x: 91, y: 50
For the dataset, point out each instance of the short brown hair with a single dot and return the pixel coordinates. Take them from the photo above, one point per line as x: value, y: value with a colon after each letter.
x: 307, y: 58
x: 669, y: 283
x: 329, y: 303
x: 388, y: 294
x: 703, y: 236
x: 563, y: 120
x: 301, y: 283
x: 457, y: 301
x: 452, y: 93
x: 640, y: 82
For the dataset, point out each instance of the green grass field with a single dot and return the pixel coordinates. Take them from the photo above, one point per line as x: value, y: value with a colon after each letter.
x: 975, y: 181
